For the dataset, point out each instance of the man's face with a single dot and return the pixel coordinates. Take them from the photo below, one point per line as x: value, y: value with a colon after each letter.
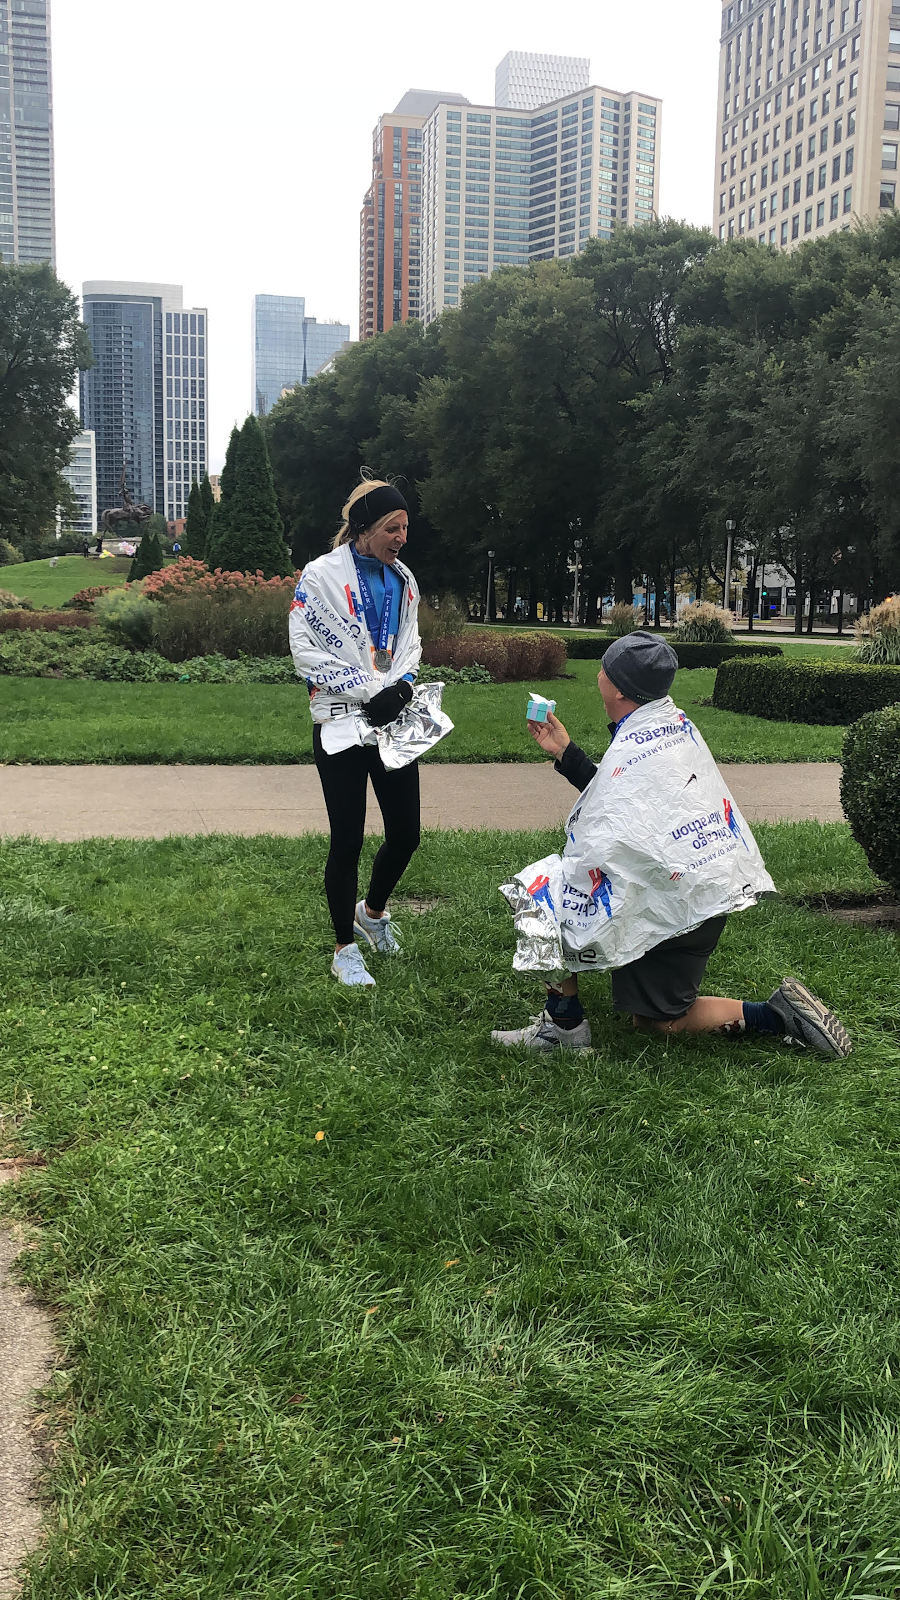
x: 612, y: 699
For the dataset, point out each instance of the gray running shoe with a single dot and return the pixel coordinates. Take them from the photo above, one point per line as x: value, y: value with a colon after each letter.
x: 544, y: 1034
x: 808, y: 1021
x: 376, y: 931
x: 349, y: 968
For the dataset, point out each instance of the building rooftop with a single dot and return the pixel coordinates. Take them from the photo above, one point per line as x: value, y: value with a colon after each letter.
x: 421, y: 102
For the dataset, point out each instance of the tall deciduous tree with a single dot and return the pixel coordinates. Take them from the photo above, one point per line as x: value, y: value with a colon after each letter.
x: 43, y: 346
x: 195, y: 527
x: 253, y: 539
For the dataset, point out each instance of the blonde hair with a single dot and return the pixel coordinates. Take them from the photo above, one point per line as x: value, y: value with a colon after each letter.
x: 345, y: 534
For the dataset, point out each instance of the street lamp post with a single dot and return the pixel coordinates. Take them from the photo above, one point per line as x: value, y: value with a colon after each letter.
x: 578, y: 544
x: 729, y: 529
x: 487, y: 593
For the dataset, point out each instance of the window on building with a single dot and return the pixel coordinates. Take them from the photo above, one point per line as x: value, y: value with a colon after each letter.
x: 834, y: 207
x: 823, y: 175
x: 807, y: 220
x: 888, y: 156
x: 784, y: 233
x: 848, y: 162
x: 810, y: 182
x: 848, y: 199
x: 835, y: 169
x: 820, y: 214
x: 892, y: 116
x: 795, y: 226
x: 887, y: 196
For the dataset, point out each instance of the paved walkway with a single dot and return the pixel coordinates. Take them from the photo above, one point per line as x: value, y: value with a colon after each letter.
x: 132, y: 802
x: 26, y: 1357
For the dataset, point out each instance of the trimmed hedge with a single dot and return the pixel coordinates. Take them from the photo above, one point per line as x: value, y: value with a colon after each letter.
x: 832, y: 692
x: 870, y: 784
x: 689, y: 655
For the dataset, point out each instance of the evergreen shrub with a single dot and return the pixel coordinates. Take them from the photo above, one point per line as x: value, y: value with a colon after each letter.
x: 689, y: 655
x: 870, y: 784
x: 805, y: 691
x: 10, y: 556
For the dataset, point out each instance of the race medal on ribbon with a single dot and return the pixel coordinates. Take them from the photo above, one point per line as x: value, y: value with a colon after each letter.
x: 379, y: 627
x: 383, y: 659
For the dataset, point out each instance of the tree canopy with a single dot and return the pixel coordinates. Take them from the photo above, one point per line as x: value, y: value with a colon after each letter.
x: 43, y: 346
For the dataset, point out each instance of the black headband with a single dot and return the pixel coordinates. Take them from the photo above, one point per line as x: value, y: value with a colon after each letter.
x: 374, y: 505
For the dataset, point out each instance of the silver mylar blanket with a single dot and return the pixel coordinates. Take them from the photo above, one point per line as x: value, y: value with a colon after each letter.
x: 418, y: 728
x: 654, y: 846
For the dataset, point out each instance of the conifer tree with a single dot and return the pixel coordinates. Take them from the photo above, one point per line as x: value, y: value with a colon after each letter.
x: 216, y: 529
x: 195, y: 528
x: 209, y: 502
x: 147, y: 558
x: 252, y: 538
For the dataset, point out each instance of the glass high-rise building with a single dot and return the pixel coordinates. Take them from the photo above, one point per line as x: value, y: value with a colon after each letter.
x: 81, y: 475
x: 288, y: 347
x: 502, y: 186
x: 525, y: 80
x: 27, y: 222
x: 145, y: 397
x: 808, y: 128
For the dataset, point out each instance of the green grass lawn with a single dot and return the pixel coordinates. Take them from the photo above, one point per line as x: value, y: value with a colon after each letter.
x: 352, y: 1305
x: 73, y: 721
x: 52, y: 586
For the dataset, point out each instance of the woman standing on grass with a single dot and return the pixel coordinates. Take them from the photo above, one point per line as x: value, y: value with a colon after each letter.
x: 355, y: 639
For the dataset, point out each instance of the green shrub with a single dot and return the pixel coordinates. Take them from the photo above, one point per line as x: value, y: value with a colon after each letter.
x: 805, y: 691
x: 13, y: 602
x: 10, y: 556
x: 250, y: 621
x: 127, y: 617
x: 448, y: 620
x: 870, y: 784
x: 878, y: 634
x: 701, y: 623
x: 621, y: 620
x: 689, y: 655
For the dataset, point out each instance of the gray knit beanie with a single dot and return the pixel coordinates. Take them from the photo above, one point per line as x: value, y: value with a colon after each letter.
x: 641, y: 667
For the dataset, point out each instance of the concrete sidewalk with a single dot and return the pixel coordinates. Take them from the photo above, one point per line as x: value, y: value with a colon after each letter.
x: 132, y: 802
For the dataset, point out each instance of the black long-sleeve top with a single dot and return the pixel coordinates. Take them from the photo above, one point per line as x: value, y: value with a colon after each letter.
x: 576, y: 766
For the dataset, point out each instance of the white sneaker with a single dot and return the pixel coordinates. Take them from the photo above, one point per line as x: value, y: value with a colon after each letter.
x: 349, y: 968
x: 544, y: 1034
x: 376, y: 931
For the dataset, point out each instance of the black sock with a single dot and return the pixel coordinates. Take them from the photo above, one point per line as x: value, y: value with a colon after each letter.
x: 565, y: 1009
x: 759, y: 1016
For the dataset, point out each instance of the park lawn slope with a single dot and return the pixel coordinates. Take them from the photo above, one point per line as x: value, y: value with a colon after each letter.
x: 86, y: 722
x: 352, y: 1304
x: 51, y: 587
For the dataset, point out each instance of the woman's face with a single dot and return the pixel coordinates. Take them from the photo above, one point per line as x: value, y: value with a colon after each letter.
x: 385, y: 543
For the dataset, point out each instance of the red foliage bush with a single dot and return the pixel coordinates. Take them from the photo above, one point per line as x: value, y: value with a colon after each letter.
x: 509, y: 657
x: 49, y: 621
x: 189, y: 577
x: 84, y: 599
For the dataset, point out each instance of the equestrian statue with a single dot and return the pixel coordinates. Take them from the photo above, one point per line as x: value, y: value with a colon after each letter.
x: 129, y: 511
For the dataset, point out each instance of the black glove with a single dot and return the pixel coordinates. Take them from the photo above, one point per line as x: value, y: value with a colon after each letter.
x: 387, y: 705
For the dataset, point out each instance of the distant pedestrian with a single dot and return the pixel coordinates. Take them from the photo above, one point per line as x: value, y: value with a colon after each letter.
x: 85, y: 548
x: 98, y: 547
x: 176, y: 548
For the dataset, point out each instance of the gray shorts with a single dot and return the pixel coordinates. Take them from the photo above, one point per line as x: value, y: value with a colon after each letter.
x: 663, y: 984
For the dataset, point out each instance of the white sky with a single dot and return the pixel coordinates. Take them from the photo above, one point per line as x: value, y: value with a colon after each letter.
x: 228, y: 147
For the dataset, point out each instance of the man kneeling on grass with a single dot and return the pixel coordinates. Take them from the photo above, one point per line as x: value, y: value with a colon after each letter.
x: 656, y: 856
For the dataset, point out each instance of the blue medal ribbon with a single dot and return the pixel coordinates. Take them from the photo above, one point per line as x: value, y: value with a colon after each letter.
x: 379, y: 630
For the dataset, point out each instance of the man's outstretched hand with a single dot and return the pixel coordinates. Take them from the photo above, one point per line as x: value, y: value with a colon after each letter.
x: 550, y: 735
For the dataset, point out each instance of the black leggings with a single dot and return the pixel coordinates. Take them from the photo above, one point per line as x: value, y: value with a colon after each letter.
x: 344, y: 778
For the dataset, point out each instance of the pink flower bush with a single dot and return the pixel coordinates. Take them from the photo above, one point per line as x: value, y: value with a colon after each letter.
x: 191, y: 578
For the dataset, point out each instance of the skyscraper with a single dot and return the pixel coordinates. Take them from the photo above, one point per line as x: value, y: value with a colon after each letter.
x: 145, y: 396
x: 288, y: 346
x: 809, y: 117
x: 537, y: 183
x: 525, y: 81
x: 390, y: 242
x: 81, y: 475
x: 27, y: 223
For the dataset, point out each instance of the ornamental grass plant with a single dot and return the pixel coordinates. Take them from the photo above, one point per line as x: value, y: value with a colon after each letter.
x: 878, y: 634
x: 703, y: 623
x: 14, y: 602
x: 621, y: 620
